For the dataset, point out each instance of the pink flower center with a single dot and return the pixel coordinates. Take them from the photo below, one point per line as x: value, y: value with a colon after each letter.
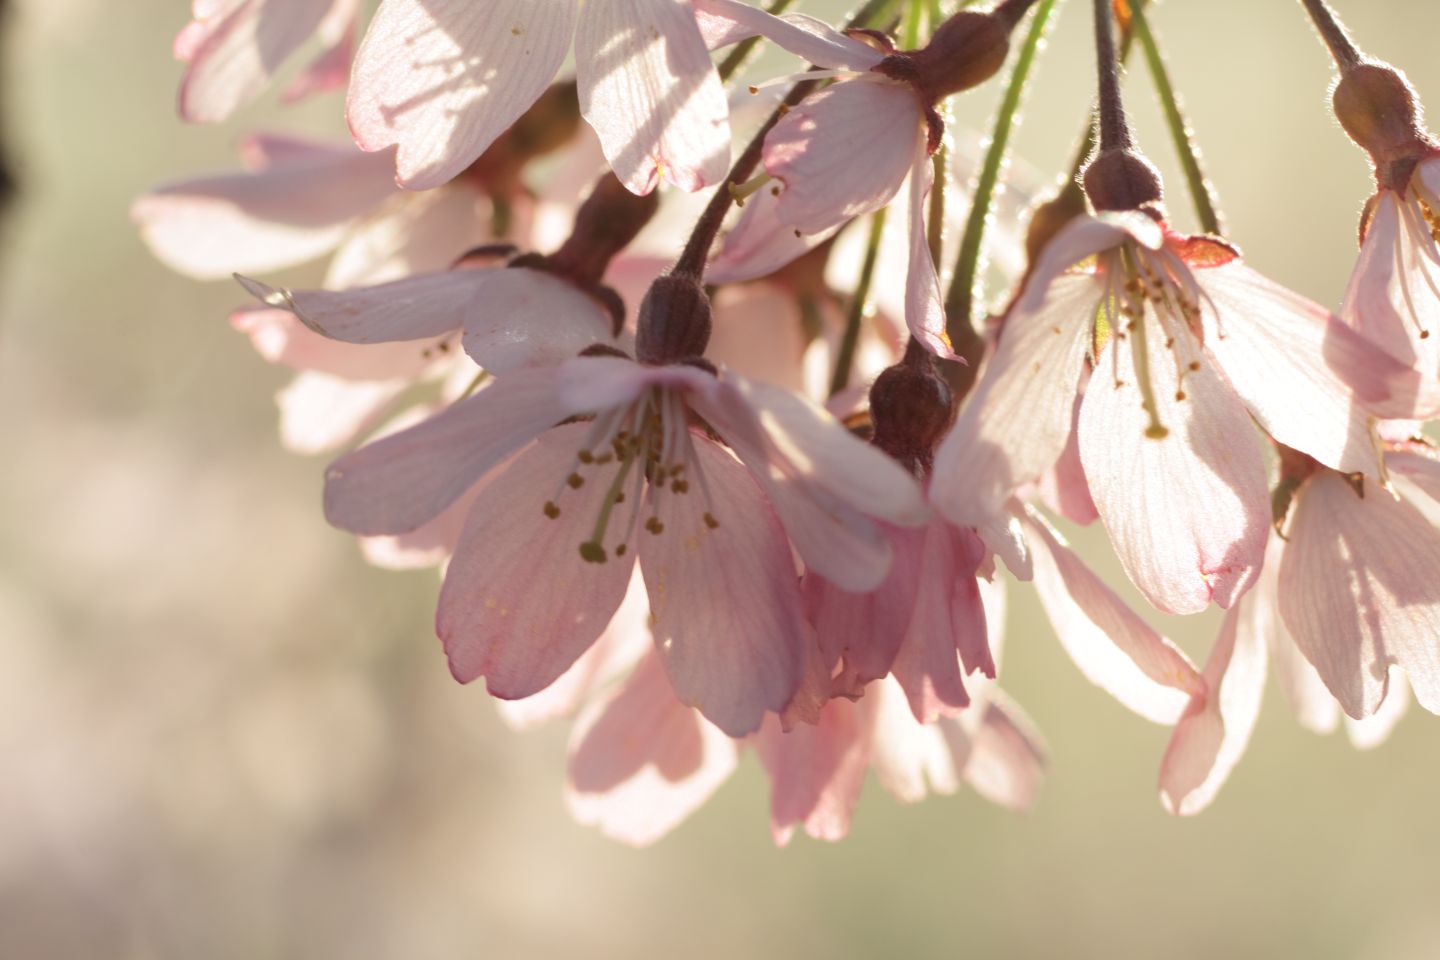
x: 644, y: 454
x: 1141, y: 281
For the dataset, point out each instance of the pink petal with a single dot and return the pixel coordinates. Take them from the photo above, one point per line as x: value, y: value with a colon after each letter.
x: 444, y: 78
x: 729, y: 21
x: 648, y: 89
x: 1370, y: 732
x: 640, y: 762
x: 1007, y: 756
x: 820, y: 447
x: 528, y: 317
x: 825, y: 484
x: 1017, y: 423
x: 924, y: 309
x: 430, y: 544
x: 277, y: 217
x: 280, y: 337
x: 1388, y: 299
x: 948, y: 613
x: 331, y: 69
x: 866, y: 628
x: 1081, y: 239
x: 420, y: 307
x: 1215, y: 729
x: 1357, y: 591
x: 1063, y: 487
x: 238, y: 56
x: 732, y: 660
x: 816, y: 772
x: 1304, y: 691
x: 320, y: 412
x: 910, y: 758
x: 414, y: 233
x: 625, y: 641
x: 1188, y: 514
x: 843, y: 151
x: 1114, y: 648
x: 759, y: 244
x: 1275, y: 347
x: 519, y: 604
x: 399, y: 482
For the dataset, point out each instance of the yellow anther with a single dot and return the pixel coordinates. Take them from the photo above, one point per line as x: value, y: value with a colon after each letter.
x: 552, y: 510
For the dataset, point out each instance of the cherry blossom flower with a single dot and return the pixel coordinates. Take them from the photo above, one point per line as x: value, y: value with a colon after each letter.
x: 233, y: 49
x: 1187, y: 345
x: 846, y: 150
x: 1394, y: 292
x: 1212, y: 735
x: 704, y: 528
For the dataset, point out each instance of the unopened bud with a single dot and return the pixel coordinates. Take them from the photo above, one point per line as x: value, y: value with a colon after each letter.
x: 674, y: 321
x: 1122, y: 180
x: 910, y: 407
x: 1378, y: 108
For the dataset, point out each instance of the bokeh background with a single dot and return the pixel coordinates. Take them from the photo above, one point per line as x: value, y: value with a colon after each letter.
x: 222, y: 735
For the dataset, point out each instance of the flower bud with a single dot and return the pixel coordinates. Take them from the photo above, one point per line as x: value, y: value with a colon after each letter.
x: 910, y: 407
x: 674, y: 322
x: 1122, y: 180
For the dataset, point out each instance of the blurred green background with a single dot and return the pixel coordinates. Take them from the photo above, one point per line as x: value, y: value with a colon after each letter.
x: 222, y: 735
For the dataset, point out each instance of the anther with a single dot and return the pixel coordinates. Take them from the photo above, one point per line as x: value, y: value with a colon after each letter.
x: 654, y: 525
x: 592, y: 552
x: 1194, y: 365
x: 710, y: 521
x: 551, y: 509
x: 575, y: 481
x: 585, y: 456
x: 620, y: 550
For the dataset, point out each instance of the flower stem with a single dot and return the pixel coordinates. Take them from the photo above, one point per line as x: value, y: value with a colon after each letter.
x: 959, y: 298
x: 702, y: 237
x: 1201, y: 193
x: 1089, y: 141
x: 850, y: 339
x: 1114, y: 128
x: 1332, y: 31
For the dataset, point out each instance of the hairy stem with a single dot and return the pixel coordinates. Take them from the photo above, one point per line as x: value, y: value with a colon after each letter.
x: 1201, y: 193
x: 1114, y: 129
x: 1332, y: 31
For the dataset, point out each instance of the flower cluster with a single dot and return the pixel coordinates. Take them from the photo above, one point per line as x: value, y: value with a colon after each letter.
x: 754, y: 494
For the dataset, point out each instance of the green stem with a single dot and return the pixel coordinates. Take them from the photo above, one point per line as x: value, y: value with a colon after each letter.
x: 737, y: 57
x: 1200, y: 191
x: 914, y: 17
x: 850, y: 339
x: 960, y: 298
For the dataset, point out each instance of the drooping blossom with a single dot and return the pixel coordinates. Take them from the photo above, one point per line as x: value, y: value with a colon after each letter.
x: 846, y: 150
x: 1187, y: 344
x: 233, y: 49
x: 574, y: 510
x: 1394, y: 292
x: 1212, y: 735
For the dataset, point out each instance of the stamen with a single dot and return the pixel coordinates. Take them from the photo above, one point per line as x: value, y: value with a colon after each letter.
x: 552, y: 510
x: 1140, y: 354
x: 741, y: 191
